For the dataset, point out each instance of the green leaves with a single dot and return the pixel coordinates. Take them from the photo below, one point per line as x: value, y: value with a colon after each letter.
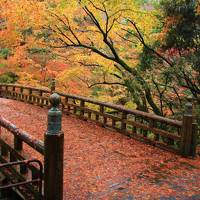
x: 8, y: 77
x: 5, y: 53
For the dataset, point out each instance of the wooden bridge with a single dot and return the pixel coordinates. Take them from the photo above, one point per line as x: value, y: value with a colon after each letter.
x: 25, y: 172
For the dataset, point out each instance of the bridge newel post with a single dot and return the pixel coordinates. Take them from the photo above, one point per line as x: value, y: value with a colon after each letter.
x: 53, y: 155
x: 189, y: 132
x: 53, y: 85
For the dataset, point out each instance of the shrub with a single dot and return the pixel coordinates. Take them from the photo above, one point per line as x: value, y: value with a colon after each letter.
x: 8, y: 77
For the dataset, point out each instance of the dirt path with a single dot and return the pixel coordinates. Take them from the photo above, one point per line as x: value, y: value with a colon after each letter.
x: 102, y: 164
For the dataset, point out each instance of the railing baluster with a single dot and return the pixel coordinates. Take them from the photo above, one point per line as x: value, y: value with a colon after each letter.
x: 13, y: 92
x: 4, y: 151
x: 18, y: 144
x: 74, y: 111
x: 30, y: 96
x: 102, y: 111
x: 21, y: 93
x: 38, y: 101
x: 42, y: 102
x: 145, y: 132
x: 40, y: 98
x: 151, y: 126
x: 134, y: 129
x: 46, y: 102
x: 194, y: 139
x: 89, y: 115
x: 113, y: 123
x: 6, y: 88
x: 123, y: 124
x: 34, y: 99
x: 82, y: 105
x: 66, y: 102
x: 97, y: 115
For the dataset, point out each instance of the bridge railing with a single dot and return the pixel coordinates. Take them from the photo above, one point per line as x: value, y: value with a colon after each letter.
x: 136, y: 124
x: 18, y: 146
x: 12, y: 141
x: 26, y: 94
x: 165, y: 133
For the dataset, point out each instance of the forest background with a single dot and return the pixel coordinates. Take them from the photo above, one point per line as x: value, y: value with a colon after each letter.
x: 143, y: 54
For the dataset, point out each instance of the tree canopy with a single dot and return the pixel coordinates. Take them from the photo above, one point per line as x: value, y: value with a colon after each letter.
x: 142, y: 54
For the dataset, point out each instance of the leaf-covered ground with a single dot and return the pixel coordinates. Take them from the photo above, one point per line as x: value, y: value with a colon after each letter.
x: 103, y: 164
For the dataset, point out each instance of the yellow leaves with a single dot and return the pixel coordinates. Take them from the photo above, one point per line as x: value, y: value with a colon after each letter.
x: 27, y: 79
x: 90, y: 22
x: 70, y: 73
x: 94, y: 24
x: 22, y: 13
x: 70, y: 80
x: 110, y: 17
x: 19, y: 15
x: 198, y: 7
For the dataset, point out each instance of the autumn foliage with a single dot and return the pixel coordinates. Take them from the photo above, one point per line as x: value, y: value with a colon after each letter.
x: 126, y: 52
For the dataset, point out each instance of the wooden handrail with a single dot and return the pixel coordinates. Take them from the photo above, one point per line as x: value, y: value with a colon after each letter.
x: 38, y: 145
x: 25, y: 87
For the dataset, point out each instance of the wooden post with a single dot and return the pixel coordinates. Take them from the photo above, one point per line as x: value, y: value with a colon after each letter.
x: 13, y: 92
x: 18, y: 144
x: 4, y: 151
x: 40, y: 98
x: 21, y: 94
x: 82, y: 105
x: 74, y: 108
x: 134, y: 128
x: 53, y: 155
x: 68, y: 107
x: 6, y: 92
x: 194, y: 139
x: 123, y: 124
x: 53, y: 85
x: 30, y: 96
x: 102, y: 111
x: 187, y: 129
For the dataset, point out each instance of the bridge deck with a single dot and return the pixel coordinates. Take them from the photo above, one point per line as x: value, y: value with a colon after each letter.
x: 102, y: 164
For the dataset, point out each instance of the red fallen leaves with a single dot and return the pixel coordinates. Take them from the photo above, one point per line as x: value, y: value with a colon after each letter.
x: 103, y: 164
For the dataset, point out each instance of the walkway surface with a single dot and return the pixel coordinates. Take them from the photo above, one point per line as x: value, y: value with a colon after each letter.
x: 100, y: 164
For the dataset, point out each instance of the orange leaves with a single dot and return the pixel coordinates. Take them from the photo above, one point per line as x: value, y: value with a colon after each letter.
x: 20, y: 15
